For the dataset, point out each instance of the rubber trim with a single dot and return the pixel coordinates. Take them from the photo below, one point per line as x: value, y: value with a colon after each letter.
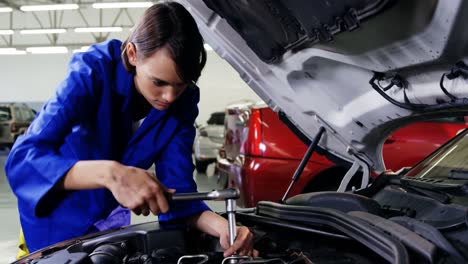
x: 410, y: 239
x: 382, y: 244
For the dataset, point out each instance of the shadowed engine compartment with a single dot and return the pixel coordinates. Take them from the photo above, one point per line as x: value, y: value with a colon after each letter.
x: 393, y: 225
x: 145, y: 243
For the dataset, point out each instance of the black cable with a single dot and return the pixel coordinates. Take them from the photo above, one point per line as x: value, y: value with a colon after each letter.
x: 460, y: 69
x: 451, y: 96
x: 385, y: 88
x: 410, y: 106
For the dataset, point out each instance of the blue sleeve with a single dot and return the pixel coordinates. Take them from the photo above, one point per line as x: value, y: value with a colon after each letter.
x: 35, y: 164
x: 174, y: 168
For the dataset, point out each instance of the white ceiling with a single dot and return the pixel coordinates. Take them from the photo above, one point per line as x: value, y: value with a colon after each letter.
x: 85, y: 16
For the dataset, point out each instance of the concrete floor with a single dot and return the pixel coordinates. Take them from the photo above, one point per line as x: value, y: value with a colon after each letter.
x: 10, y: 221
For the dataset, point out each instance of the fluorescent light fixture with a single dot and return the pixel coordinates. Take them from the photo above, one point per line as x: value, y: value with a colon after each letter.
x: 6, y: 32
x: 98, y: 29
x: 28, y: 8
x: 6, y: 9
x: 11, y: 51
x: 207, y: 47
x: 43, y: 31
x: 82, y: 49
x: 47, y: 50
x: 123, y: 5
x: 7, y: 50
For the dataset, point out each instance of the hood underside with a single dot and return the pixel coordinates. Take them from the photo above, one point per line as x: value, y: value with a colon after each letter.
x: 359, y: 68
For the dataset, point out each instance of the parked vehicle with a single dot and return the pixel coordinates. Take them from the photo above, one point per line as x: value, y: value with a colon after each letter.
x: 410, y: 144
x: 260, y: 154
x: 208, y: 140
x: 346, y: 74
x: 15, y: 119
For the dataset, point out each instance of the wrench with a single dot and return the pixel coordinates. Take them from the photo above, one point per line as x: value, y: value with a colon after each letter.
x: 229, y: 195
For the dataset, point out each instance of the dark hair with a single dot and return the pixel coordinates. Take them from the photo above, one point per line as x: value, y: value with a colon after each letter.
x: 169, y: 24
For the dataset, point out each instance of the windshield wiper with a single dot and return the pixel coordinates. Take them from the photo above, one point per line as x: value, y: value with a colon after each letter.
x: 434, y: 194
x: 458, y: 174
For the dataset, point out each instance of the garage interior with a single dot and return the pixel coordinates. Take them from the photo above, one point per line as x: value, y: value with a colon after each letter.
x: 35, y: 47
x: 339, y: 134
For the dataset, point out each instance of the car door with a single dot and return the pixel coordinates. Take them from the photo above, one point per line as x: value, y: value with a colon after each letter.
x: 21, y: 119
x: 5, y: 121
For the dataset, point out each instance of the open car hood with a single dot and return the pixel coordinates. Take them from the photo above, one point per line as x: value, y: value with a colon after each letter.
x: 358, y: 68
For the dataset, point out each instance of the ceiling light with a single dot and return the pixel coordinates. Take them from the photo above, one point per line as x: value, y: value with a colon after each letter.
x: 43, y: 31
x: 27, y: 8
x: 11, y: 51
x: 98, y: 29
x: 6, y: 32
x: 82, y: 49
x: 6, y: 9
x: 47, y: 50
x: 123, y: 5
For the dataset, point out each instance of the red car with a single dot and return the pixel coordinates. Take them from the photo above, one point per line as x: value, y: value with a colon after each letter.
x: 260, y: 153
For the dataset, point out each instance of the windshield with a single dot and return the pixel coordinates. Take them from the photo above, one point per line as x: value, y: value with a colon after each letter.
x: 216, y: 119
x: 450, y: 158
x: 5, y: 113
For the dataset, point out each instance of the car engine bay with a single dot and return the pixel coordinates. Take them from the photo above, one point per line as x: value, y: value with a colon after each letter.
x: 389, y: 222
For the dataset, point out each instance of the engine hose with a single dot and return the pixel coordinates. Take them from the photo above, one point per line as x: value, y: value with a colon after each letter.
x: 108, y: 254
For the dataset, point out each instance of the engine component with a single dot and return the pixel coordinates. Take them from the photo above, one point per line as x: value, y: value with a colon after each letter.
x: 204, y: 258
x: 108, y: 253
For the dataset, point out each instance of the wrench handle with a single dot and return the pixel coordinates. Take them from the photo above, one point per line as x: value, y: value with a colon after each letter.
x: 213, y: 195
x: 231, y: 214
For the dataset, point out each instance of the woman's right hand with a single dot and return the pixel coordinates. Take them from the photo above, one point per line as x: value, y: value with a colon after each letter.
x: 137, y: 189
x: 134, y: 188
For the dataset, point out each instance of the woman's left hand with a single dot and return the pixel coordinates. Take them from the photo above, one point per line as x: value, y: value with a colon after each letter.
x: 243, y: 244
x: 216, y: 225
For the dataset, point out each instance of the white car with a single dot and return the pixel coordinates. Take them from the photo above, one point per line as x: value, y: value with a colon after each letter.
x: 208, y: 140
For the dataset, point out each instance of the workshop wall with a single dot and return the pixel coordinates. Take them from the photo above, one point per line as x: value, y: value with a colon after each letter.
x: 33, y: 78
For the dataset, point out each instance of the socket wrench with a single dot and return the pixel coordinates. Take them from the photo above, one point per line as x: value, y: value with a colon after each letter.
x: 229, y: 195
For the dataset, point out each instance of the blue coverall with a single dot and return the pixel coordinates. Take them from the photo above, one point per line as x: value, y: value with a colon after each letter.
x: 90, y: 118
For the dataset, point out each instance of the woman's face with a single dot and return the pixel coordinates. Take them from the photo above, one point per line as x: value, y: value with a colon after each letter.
x: 156, y: 77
